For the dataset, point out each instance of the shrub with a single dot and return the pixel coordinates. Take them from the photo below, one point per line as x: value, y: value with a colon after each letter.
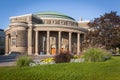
x: 96, y: 55
x: 63, y: 57
x: 24, y: 61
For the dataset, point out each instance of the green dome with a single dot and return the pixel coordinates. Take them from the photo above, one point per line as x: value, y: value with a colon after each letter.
x: 51, y: 14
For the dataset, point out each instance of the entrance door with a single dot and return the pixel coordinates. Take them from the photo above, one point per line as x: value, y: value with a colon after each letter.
x: 63, y: 49
x: 53, y: 51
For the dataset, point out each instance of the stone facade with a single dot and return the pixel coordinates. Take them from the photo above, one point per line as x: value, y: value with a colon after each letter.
x: 44, y: 33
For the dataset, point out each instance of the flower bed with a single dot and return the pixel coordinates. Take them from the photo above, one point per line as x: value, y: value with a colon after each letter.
x: 43, y: 61
x: 52, y: 61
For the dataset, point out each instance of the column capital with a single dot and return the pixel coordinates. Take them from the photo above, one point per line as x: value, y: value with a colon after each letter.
x: 7, y: 36
x: 30, y: 24
x: 36, y: 30
x: 60, y: 31
x: 78, y: 33
x: 30, y: 28
x: 71, y: 32
x: 48, y: 30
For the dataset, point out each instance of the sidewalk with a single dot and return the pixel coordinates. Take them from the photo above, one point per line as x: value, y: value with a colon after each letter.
x: 7, y: 63
x: 12, y: 61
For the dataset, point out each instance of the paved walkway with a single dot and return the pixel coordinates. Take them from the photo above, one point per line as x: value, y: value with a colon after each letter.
x: 7, y: 63
x: 11, y: 61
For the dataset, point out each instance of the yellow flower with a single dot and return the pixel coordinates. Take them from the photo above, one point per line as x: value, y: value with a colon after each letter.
x: 47, y: 60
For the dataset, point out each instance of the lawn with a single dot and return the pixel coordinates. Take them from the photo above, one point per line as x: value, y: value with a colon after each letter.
x: 109, y: 70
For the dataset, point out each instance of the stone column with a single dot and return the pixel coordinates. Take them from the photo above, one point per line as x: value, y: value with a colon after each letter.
x: 69, y: 42
x: 30, y: 40
x: 59, y: 41
x: 78, y: 44
x: 48, y: 42
x: 36, y: 43
x: 6, y: 45
x: 9, y: 44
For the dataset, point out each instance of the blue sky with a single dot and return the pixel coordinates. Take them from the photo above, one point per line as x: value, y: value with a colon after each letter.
x: 87, y: 9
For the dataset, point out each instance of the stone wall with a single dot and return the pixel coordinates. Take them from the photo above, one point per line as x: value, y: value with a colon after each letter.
x: 21, y: 38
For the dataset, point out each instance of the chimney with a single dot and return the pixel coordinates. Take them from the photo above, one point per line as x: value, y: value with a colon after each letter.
x: 81, y: 19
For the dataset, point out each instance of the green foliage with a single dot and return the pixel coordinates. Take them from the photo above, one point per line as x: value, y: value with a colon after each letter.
x: 108, y: 70
x: 96, y: 55
x: 63, y: 57
x: 24, y: 61
x: 104, y: 31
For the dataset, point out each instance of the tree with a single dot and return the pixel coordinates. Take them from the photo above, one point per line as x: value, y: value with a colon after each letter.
x: 104, y: 31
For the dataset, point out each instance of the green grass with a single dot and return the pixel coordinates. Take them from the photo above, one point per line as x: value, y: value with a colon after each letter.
x: 108, y: 70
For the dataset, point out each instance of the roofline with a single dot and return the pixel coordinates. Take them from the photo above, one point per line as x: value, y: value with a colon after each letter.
x: 20, y: 16
x: 57, y: 13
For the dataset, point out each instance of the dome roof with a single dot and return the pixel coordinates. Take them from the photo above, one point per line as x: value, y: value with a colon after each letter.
x: 51, y: 14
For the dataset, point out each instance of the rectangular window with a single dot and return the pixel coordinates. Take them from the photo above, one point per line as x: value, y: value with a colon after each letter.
x: 13, y: 41
x: 52, y: 38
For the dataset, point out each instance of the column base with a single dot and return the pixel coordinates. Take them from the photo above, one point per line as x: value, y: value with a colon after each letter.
x: 36, y: 54
x: 6, y: 54
x: 78, y: 53
x: 30, y: 51
x: 48, y: 54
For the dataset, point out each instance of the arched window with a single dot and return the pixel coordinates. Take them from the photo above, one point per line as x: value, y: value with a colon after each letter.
x: 62, y: 22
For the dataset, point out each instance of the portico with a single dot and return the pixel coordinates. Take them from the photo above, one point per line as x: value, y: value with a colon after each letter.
x: 52, y: 42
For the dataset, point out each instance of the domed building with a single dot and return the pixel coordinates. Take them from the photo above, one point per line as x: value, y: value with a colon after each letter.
x: 44, y: 33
